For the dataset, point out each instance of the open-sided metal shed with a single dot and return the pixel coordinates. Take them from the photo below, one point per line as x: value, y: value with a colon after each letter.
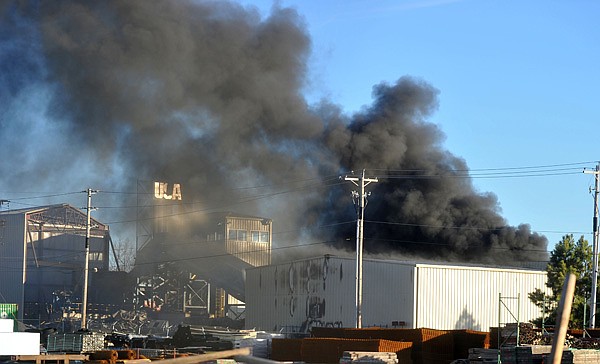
x: 42, y: 250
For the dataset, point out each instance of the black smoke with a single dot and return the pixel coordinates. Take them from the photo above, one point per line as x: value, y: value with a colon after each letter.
x: 210, y: 95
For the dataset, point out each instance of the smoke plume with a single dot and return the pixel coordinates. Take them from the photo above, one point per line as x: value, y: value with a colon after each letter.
x: 210, y: 95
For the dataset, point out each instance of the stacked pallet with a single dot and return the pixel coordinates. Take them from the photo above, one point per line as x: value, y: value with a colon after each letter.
x: 429, y: 346
x: 483, y: 356
x: 467, y: 339
x: 516, y: 355
x: 286, y: 349
x: 75, y: 342
x: 330, y: 350
x: 368, y: 357
x: 583, y: 356
x: 494, y: 332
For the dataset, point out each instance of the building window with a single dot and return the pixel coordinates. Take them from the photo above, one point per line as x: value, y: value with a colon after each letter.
x: 260, y: 236
x: 239, y: 235
x: 214, y: 236
x: 97, y: 256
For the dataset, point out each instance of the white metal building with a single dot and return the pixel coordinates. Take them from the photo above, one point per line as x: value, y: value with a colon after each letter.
x: 296, y: 296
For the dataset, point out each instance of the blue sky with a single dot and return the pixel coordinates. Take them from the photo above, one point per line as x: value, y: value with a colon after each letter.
x: 518, y: 84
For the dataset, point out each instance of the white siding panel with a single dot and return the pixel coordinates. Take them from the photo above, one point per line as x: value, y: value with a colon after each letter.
x: 388, y: 293
x: 451, y: 297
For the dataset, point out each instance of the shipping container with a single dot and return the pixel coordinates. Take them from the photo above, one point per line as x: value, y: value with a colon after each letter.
x: 320, y: 292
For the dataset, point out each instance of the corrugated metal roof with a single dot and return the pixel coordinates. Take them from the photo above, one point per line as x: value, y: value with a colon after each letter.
x: 28, y: 210
x: 453, y: 265
x: 65, y: 206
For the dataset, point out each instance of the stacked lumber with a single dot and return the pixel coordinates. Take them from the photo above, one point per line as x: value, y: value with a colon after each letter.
x: 368, y: 357
x: 584, y: 343
x: 528, y: 335
x: 115, y: 356
x: 126, y: 355
x: 201, y: 337
x: 104, y: 356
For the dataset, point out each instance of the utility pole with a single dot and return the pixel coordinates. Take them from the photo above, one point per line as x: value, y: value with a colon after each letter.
x: 360, y: 182
x: 89, y: 192
x: 596, y: 174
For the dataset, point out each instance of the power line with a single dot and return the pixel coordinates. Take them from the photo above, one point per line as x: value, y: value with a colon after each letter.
x: 328, y: 242
x: 504, y: 172
x: 496, y: 168
x: 38, y: 197
x: 331, y: 181
x: 466, y: 227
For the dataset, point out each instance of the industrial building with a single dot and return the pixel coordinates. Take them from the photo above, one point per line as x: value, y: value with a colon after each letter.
x: 213, y: 265
x: 43, y: 257
x: 194, y: 263
x: 296, y: 296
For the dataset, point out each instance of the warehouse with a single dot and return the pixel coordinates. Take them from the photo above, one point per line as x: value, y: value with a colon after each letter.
x: 295, y: 296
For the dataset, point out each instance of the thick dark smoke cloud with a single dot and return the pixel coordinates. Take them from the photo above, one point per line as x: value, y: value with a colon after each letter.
x: 210, y: 95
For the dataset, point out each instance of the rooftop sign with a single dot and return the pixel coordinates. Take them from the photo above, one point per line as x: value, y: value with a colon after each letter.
x: 161, y: 191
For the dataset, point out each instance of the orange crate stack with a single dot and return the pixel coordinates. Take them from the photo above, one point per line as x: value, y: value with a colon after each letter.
x: 286, y: 349
x: 330, y: 350
x: 466, y: 339
x: 429, y: 346
x: 328, y: 332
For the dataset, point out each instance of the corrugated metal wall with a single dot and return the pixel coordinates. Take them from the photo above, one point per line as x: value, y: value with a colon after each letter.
x: 296, y: 295
x: 454, y: 297
x: 251, y: 252
x: 321, y: 292
x: 388, y: 293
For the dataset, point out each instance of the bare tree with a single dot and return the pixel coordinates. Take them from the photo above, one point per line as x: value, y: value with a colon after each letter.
x: 125, y: 254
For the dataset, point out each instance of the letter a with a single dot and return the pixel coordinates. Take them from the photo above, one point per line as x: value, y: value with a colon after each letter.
x: 176, y: 191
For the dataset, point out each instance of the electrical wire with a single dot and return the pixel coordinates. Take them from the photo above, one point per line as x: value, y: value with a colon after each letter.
x: 331, y: 180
